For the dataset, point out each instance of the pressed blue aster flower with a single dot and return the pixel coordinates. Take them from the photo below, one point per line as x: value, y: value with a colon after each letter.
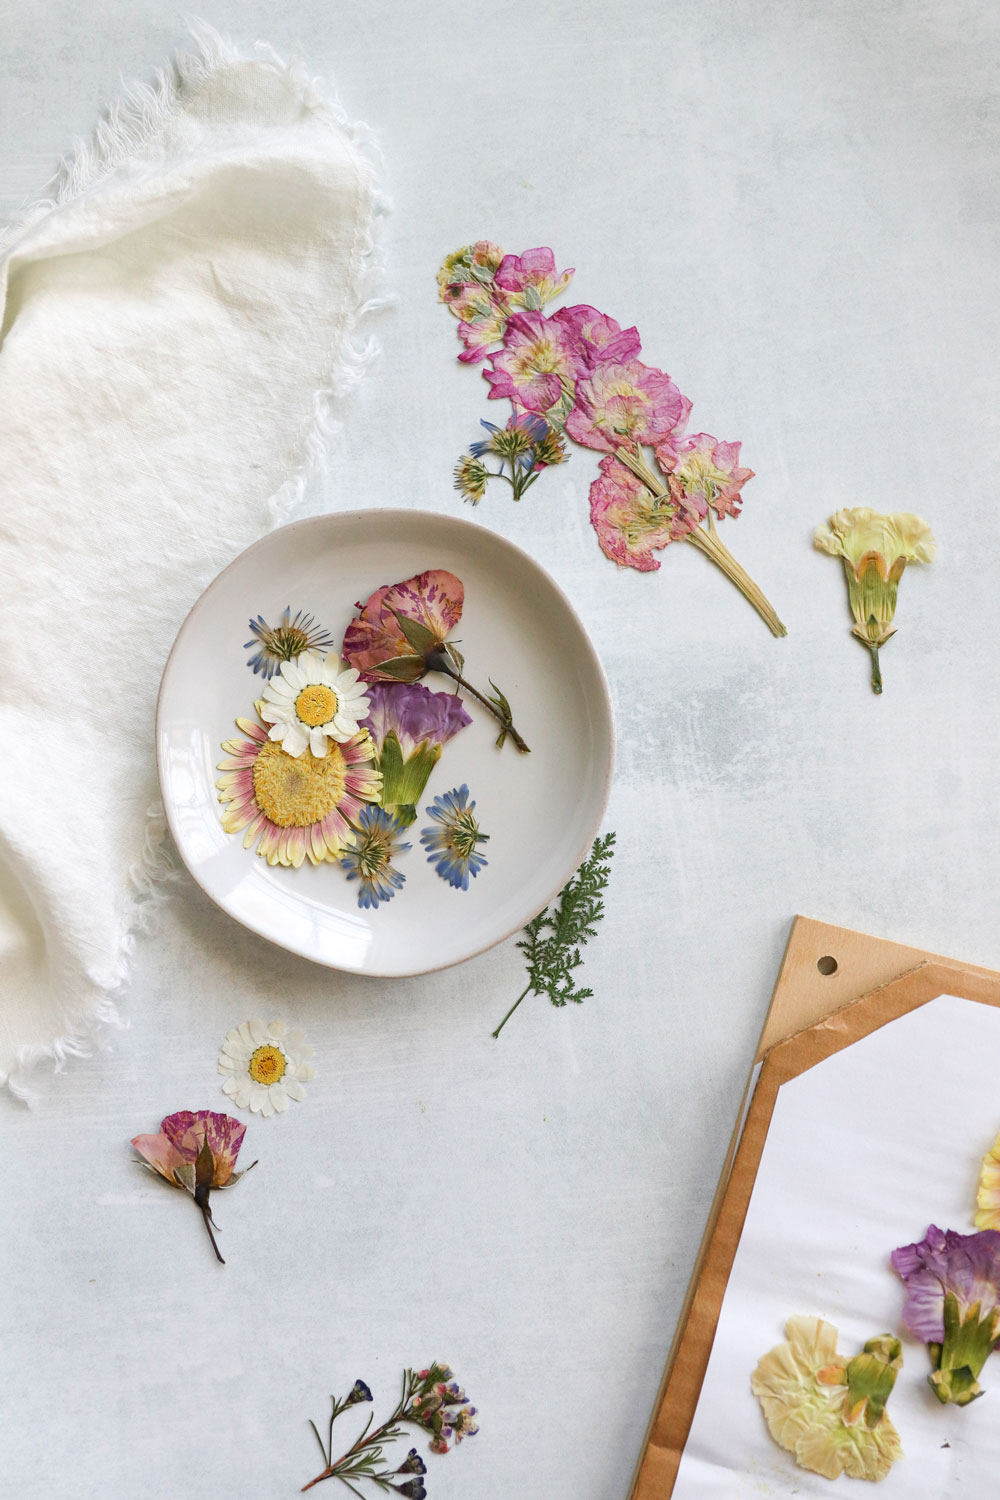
x: 370, y: 861
x: 284, y: 641
x: 451, y: 847
x: 471, y: 477
x: 359, y: 1392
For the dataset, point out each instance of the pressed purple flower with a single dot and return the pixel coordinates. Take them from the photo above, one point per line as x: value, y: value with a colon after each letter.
x: 414, y: 714
x: 432, y: 1400
x: 412, y: 1464
x: 409, y: 726
x: 451, y: 849
x: 953, y: 1304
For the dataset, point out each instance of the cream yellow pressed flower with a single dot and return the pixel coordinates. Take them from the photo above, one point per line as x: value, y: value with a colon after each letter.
x: 827, y: 1410
x: 875, y: 549
x: 988, y: 1197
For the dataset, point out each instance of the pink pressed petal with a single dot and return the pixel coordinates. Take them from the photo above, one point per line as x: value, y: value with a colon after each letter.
x: 160, y: 1152
x: 253, y: 730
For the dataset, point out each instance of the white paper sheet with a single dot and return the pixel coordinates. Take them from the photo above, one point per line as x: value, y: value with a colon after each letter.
x: 864, y: 1151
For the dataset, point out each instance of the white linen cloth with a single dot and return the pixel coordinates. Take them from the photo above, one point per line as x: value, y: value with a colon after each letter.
x: 175, y: 324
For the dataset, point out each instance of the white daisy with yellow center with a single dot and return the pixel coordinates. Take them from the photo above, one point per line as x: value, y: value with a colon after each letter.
x: 263, y: 1067
x: 311, y: 700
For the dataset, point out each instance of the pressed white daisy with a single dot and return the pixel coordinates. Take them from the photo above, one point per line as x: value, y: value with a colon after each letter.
x: 311, y: 700
x: 265, y: 1066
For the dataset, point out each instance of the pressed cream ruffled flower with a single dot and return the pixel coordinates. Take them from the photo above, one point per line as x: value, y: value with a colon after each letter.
x: 826, y: 1410
x: 988, y: 1197
x: 265, y: 1066
x: 311, y: 700
x: 875, y: 549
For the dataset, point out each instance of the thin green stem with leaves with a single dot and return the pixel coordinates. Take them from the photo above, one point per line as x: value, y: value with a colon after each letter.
x: 553, y: 939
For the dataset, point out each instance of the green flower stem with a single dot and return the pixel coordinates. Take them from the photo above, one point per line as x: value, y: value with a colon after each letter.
x: 366, y: 1440
x: 709, y: 543
x: 439, y: 662
x: 513, y: 1008
x: 876, y: 668
x: 519, y: 483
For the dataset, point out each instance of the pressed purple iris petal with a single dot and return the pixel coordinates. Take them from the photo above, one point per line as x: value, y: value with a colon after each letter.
x: 968, y: 1265
x: 414, y: 712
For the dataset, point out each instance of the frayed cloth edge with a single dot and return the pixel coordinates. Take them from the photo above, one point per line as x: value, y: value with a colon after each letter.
x: 129, y: 124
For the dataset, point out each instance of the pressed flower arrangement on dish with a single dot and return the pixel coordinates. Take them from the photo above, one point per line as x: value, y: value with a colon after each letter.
x: 335, y: 769
x: 576, y: 374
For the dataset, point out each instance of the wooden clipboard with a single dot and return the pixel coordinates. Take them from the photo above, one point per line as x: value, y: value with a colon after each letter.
x: 833, y: 987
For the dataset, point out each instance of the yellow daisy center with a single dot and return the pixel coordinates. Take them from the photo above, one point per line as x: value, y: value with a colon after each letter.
x: 297, y: 791
x: 267, y: 1064
x: 316, y: 704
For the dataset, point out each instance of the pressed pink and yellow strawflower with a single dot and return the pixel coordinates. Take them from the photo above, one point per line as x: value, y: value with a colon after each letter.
x: 299, y: 807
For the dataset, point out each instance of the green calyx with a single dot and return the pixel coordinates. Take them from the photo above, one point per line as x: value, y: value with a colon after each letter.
x: 871, y: 1376
x: 403, y: 780
x: 872, y: 589
x: 968, y: 1343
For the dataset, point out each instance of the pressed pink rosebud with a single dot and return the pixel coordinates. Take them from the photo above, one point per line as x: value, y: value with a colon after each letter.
x: 196, y: 1151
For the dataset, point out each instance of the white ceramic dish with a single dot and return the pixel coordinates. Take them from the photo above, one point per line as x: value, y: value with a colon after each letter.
x: 540, y: 810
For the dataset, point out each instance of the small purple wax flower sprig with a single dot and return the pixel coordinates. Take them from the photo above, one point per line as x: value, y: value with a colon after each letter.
x: 576, y: 374
x: 953, y: 1305
x: 431, y: 1400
